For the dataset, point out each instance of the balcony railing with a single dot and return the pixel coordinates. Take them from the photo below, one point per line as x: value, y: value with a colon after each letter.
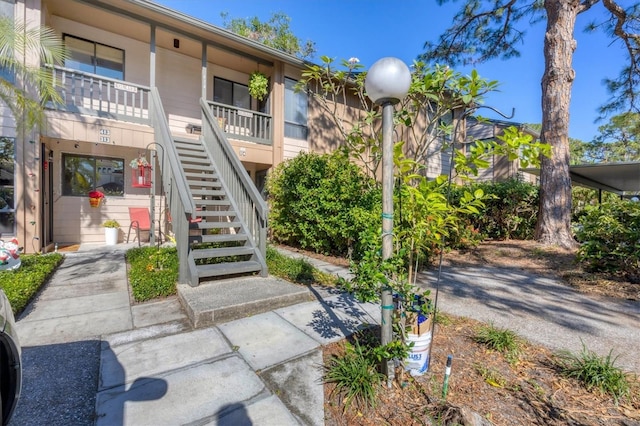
x: 105, y: 97
x: 243, y: 124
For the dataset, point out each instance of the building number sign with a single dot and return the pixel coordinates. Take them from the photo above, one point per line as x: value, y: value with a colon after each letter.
x: 105, y: 135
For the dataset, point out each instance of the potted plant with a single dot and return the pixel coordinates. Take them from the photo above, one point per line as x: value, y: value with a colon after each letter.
x: 111, y: 232
x: 95, y: 198
x: 258, y: 85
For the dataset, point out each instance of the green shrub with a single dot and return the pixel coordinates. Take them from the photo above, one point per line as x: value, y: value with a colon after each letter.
x: 153, y: 272
x: 595, y: 372
x: 20, y: 285
x: 355, y: 375
x: 296, y: 270
x: 321, y: 203
x: 610, y: 236
x: 510, y: 211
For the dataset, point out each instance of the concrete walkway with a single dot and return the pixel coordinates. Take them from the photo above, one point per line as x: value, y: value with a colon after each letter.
x: 538, y: 308
x: 91, y: 356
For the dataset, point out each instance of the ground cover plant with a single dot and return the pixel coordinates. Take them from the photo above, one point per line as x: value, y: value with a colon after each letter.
x: 22, y: 284
x: 153, y: 272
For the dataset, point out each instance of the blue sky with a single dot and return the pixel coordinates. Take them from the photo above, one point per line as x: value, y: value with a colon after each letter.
x: 371, y: 29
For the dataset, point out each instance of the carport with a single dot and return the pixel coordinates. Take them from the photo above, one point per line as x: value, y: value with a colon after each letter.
x: 620, y: 178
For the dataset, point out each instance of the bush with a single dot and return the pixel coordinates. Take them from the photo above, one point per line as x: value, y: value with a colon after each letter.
x: 153, y: 272
x: 610, y: 234
x: 20, y: 285
x: 595, y: 372
x: 296, y: 270
x: 355, y: 375
x: 321, y: 202
x: 510, y: 212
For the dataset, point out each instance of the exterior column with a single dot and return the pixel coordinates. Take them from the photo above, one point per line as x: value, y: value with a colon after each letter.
x: 277, y: 112
x: 204, y: 70
x: 152, y: 57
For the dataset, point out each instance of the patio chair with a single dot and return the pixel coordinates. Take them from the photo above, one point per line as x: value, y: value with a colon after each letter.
x: 140, y: 221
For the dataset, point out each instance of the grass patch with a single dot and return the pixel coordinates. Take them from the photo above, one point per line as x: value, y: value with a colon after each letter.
x: 296, y: 270
x: 595, y: 372
x: 153, y: 272
x: 22, y: 284
x: 355, y: 375
x: 501, y: 340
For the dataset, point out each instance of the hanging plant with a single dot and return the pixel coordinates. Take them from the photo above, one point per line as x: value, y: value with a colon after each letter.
x: 258, y: 85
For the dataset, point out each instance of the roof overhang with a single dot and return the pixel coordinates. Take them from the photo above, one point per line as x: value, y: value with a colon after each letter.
x: 612, y: 177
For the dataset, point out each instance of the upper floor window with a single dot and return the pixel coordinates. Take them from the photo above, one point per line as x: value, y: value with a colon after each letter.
x: 230, y: 93
x: 94, y: 58
x: 295, y: 111
x: 7, y: 191
x: 82, y: 174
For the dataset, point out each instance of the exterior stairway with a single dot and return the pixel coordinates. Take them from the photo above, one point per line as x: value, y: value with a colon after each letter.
x: 219, y: 240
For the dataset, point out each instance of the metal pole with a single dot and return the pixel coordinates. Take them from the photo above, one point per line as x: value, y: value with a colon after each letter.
x: 387, y: 228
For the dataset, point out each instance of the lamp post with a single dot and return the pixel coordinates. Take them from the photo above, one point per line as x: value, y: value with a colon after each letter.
x: 386, y: 83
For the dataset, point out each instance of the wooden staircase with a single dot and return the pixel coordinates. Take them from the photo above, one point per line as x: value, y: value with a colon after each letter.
x: 219, y: 240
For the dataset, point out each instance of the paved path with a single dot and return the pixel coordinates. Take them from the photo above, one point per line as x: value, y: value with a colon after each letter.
x: 90, y: 356
x: 542, y: 310
x: 538, y: 308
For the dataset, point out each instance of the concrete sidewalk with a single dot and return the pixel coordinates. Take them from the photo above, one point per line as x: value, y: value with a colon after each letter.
x: 91, y: 356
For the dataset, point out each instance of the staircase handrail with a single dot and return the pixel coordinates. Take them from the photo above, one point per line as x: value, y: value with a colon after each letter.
x: 249, y: 204
x: 260, y: 204
x: 164, y: 138
x: 181, y: 207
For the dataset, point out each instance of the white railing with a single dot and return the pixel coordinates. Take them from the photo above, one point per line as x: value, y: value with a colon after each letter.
x: 243, y: 124
x: 105, y: 97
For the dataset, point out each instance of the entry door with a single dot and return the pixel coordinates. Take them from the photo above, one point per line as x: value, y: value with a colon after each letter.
x: 46, y: 194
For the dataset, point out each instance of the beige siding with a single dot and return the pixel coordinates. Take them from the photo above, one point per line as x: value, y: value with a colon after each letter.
x: 293, y: 147
x: 178, y: 79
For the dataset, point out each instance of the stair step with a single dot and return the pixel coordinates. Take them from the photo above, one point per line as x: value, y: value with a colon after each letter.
x: 197, y: 167
x: 194, y: 160
x: 215, y: 213
x: 218, y: 225
x: 204, y: 183
x: 217, y: 238
x: 190, y: 151
x: 228, y: 268
x: 186, y: 141
x: 200, y: 175
x: 208, y: 203
x: 208, y: 192
x: 190, y: 146
x: 221, y: 252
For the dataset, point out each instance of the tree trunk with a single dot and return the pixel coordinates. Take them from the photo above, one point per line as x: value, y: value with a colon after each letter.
x: 554, y: 215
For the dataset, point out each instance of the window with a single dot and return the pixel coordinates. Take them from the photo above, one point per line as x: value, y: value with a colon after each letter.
x: 94, y: 58
x: 7, y: 179
x: 82, y: 174
x: 295, y: 111
x: 230, y: 93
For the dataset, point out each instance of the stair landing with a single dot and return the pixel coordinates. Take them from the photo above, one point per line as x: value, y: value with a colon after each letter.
x: 214, y: 302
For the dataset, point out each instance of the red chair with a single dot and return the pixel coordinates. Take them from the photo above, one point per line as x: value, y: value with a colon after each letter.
x: 140, y: 221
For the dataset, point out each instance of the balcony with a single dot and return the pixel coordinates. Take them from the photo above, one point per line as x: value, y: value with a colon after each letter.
x: 243, y: 124
x: 91, y: 94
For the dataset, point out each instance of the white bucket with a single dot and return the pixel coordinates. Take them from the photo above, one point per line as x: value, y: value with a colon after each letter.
x: 417, y: 361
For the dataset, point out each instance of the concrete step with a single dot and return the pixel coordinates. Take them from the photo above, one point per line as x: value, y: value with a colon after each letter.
x: 228, y: 268
x: 214, y: 302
